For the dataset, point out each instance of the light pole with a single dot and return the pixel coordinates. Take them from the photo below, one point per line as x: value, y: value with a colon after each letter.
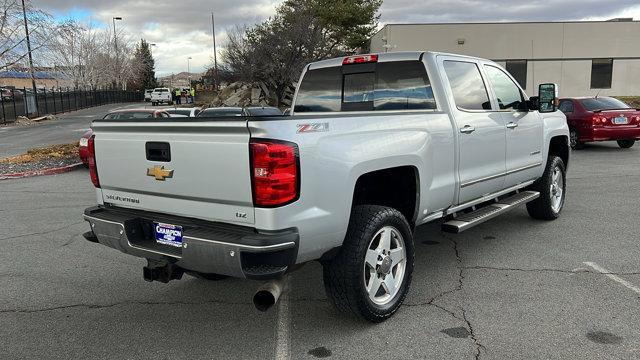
x: 189, y: 71
x: 215, y: 55
x: 115, y: 45
x: 33, y: 79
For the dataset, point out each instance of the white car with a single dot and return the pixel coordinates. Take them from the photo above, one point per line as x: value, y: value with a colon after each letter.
x: 161, y: 96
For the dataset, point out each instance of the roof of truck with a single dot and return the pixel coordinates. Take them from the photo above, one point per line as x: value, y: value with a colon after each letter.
x: 387, y: 57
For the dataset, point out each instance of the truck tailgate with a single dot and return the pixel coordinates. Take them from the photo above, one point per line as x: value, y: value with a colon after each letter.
x: 205, y: 173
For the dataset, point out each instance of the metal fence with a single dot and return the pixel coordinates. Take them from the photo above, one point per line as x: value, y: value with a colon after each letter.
x: 22, y: 102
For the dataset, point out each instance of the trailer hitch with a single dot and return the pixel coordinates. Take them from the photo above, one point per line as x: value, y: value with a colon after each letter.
x: 162, y: 271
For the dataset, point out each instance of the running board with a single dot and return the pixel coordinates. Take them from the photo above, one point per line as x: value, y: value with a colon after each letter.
x: 468, y: 220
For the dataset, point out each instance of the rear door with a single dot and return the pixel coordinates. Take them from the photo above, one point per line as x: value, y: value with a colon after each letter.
x: 481, y: 131
x: 197, y: 169
x: 524, y: 136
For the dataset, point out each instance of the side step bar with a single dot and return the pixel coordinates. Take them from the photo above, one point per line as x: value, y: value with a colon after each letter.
x: 468, y: 220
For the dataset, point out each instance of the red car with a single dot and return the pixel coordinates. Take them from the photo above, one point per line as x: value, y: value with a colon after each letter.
x: 601, y: 119
x: 118, y: 115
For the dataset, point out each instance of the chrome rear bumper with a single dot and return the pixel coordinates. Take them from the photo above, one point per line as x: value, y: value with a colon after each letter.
x: 207, y: 247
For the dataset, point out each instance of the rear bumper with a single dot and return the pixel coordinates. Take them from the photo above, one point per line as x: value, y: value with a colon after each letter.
x: 610, y: 133
x: 208, y: 247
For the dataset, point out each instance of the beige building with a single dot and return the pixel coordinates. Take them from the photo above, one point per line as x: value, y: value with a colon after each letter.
x: 584, y: 58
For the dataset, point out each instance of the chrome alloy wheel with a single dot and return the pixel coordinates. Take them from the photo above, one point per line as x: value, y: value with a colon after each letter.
x: 384, y: 265
x: 557, y: 189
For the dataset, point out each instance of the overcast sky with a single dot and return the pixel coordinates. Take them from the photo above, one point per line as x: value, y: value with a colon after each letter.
x: 182, y: 28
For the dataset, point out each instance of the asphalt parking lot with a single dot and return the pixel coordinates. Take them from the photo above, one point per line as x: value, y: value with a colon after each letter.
x: 511, y: 288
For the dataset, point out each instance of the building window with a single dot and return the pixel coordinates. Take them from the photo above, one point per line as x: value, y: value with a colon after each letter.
x: 601, y: 73
x: 518, y: 69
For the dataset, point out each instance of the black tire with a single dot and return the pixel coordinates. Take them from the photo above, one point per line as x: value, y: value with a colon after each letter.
x: 344, y: 278
x: 542, y: 208
x: 573, y: 139
x: 205, y: 276
x: 625, y: 144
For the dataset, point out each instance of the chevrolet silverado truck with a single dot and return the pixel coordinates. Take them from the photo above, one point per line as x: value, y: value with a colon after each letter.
x: 375, y: 146
x: 161, y: 96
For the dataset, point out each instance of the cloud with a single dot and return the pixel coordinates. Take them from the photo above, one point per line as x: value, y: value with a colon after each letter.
x: 183, y: 28
x: 180, y: 29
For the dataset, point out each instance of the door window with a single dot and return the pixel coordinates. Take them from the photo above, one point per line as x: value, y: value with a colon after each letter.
x: 566, y: 106
x: 469, y: 91
x: 508, y: 94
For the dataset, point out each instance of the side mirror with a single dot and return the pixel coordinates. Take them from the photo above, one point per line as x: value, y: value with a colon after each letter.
x: 547, y: 95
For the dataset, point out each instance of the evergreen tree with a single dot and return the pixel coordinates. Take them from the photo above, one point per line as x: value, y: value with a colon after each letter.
x: 145, y: 77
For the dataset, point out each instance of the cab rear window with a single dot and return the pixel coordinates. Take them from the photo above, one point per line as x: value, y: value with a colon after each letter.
x: 400, y: 85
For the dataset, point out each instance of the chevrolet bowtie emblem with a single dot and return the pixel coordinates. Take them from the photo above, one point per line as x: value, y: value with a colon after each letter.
x: 159, y: 172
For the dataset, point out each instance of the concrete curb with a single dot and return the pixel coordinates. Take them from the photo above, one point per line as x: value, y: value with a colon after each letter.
x: 50, y: 171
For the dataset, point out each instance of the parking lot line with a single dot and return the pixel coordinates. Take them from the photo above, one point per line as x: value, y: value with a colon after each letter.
x: 283, y: 325
x: 613, y: 277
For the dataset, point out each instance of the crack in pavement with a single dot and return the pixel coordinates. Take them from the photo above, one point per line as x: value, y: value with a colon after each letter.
x: 46, y: 207
x: 40, y: 233
x: 37, y: 192
x: 564, y: 271
x: 432, y: 302
x: 128, y: 302
x: 476, y: 342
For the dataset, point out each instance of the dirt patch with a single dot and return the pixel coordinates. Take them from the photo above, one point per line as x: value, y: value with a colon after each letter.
x: 25, y: 121
x: 52, y: 152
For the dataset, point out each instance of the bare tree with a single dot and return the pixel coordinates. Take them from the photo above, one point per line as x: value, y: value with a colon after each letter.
x: 13, y: 49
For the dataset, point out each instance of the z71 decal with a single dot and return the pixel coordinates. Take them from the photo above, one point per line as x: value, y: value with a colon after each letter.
x: 313, y: 127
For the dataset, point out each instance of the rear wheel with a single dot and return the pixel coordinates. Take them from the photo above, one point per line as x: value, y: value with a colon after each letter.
x: 573, y: 138
x: 552, y: 188
x: 371, y: 274
x: 625, y: 144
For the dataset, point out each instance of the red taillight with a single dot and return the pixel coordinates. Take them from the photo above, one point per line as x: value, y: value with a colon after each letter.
x: 360, y: 59
x: 275, y: 174
x: 597, y: 120
x: 93, y: 168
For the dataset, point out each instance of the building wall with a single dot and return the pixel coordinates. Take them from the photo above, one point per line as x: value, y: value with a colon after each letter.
x: 555, y: 52
x: 20, y: 83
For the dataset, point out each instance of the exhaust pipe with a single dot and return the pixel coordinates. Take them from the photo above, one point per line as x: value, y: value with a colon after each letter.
x: 268, y: 294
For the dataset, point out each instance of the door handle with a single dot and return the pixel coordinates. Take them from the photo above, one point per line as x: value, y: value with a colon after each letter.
x: 512, y: 125
x: 467, y: 129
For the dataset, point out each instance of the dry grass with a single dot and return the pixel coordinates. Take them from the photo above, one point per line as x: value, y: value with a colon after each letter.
x: 44, y: 153
x: 633, y: 101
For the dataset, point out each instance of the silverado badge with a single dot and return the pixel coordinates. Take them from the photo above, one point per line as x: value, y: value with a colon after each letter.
x: 159, y: 172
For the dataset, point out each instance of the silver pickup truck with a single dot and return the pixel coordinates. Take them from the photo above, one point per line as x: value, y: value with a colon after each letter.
x: 375, y: 146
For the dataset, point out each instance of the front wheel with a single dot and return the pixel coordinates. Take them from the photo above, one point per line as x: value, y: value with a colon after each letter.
x: 625, y: 144
x: 552, y: 188
x: 371, y: 274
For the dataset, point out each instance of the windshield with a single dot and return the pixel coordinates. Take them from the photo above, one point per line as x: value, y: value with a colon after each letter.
x: 603, y: 103
x: 128, y: 115
x: 220, y: 112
